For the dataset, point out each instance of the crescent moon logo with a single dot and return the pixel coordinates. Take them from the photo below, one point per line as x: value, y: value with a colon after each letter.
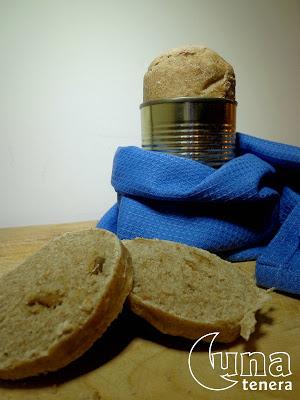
x: 211, y: 361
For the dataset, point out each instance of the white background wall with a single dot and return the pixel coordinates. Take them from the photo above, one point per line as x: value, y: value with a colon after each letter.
x: 71, y: 83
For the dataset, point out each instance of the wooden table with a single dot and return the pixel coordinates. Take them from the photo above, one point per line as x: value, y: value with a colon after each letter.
x: 134, y: 361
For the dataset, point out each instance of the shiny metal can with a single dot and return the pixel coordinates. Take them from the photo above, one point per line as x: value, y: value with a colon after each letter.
x: 203, y: 129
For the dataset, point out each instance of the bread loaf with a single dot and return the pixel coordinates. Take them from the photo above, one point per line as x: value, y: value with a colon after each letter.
x: 60, y: 300
x: 189, y: 71
x: 185, y: 291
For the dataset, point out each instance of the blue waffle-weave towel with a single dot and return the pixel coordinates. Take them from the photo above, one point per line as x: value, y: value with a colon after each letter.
x: 247, y: 209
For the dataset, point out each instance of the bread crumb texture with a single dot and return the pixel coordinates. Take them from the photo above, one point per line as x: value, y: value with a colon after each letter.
x: 57, y: 302
x: 187, y: 291
x: 189, y: 71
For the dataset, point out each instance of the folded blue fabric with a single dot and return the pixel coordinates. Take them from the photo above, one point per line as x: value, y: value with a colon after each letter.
x: 247, y: 209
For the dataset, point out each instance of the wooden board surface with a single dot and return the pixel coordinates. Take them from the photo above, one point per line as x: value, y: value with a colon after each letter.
x: 134, y: 361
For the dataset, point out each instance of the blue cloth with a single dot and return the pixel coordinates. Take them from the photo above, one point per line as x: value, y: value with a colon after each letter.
x: 247, y: 209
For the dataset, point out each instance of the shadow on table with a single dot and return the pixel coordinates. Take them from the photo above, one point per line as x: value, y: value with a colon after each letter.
x: 115, y: 340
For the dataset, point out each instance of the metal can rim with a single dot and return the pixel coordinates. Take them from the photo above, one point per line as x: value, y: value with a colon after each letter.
x: 188, y: 100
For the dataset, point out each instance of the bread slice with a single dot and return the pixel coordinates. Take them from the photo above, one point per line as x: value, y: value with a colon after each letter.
x: 186, y: 291
x: 60, y: 300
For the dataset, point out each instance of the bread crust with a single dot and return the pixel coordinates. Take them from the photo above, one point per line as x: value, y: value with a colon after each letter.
x: 74, y: 345
x: 189, y: 71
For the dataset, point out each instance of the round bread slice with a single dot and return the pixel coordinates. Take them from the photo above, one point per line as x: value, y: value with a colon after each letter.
x: 189, y: 292
x: 56, y: 303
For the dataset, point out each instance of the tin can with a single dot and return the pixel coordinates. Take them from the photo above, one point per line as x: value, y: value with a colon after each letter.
x: 203, y: 129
